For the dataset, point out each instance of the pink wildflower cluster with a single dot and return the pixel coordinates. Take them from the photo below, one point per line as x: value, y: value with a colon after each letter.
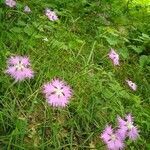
x: 51, y: 15
x: 127, y: 128
x: 10, y: 3
x: 57, y: 93
x: 114, y: 139
x: 114, y: 56
x: 19, y: 68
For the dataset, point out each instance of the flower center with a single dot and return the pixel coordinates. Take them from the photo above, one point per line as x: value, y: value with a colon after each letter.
x: 129, y: 125
x: 19, y: 66
x: 113, y: 137
x: 59, y: 91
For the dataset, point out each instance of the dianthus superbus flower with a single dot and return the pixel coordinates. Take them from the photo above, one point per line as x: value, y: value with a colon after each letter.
x: 132, y: 85
x: 27, y: 9
x: 57, y: 93
x: 51, y: 15
x: 19, y: 68
x: 114, y: 57
x: 127, y: 128
x: 10, y: 3
x: 112, y: 139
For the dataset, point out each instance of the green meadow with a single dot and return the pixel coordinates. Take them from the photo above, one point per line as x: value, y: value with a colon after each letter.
x: 75, y: 49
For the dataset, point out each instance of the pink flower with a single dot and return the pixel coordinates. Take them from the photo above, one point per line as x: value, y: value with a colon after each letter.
x: 51, y: 15
x: 19, y: 68
x: 132, y: 85
x: 112, y: 139
x: 27, y: 9
x: 127, y: 129
x: 10, y: 3
x: 57, y: 93
x: 114, y: 57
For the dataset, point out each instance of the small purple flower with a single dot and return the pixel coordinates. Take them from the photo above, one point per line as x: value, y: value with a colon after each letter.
x: 127, y: 129
x: 19, y: 68
x: 114, y: 57
x: 112, y: 139
x: 57, y: 93
x: 27, y: 9
x: 132, y: 85
x: 51, y: 15
x: 10, y: 3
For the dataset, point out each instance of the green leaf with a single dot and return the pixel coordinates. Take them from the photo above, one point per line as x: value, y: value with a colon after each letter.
x: 21, y: 125
x: 148, y: 146
x: 111, y: 40
x: 145, y: 36
x: 21, y: 23
x: 16, y: 29
x: 29, y: 30
x: 107, y: 93
x: 137, y: 49
x: 124, y: 52
x: 144, y: 60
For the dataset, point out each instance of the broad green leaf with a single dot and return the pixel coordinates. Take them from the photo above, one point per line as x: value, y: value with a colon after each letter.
x: 144, y: 60
x: 29, y: 30
x: 112, y: 41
